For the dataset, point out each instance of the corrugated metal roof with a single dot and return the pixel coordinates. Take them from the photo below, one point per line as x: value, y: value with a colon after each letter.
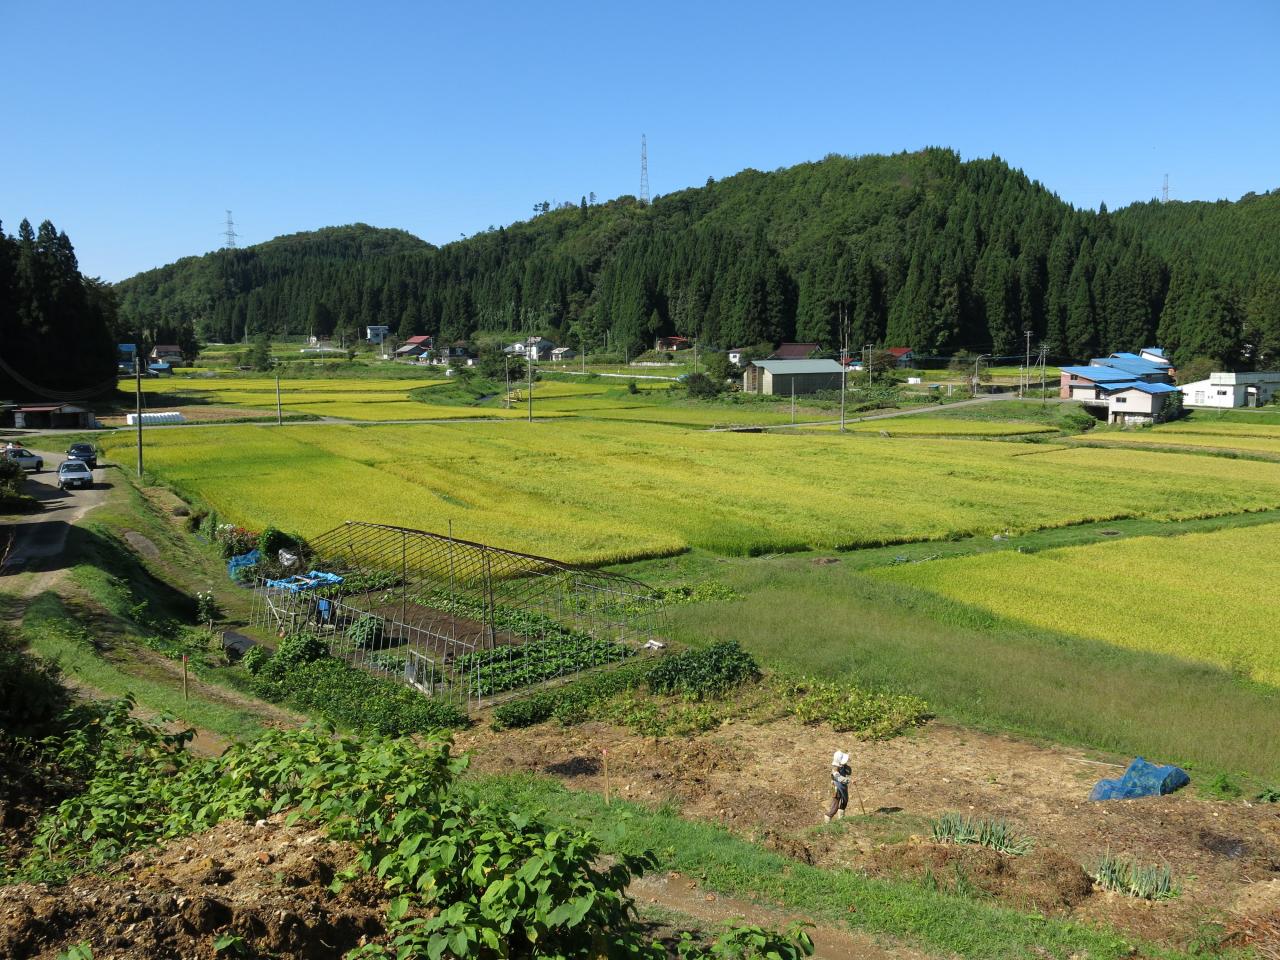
x: 1099, y: 374
x: 1153, y: 388
x: 1131, y: 364
x: 798, y: 366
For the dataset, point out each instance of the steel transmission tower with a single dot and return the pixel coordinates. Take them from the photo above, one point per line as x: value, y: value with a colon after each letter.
x: 1164, y: 193
x: 644, y: 170
x: 229, y: 243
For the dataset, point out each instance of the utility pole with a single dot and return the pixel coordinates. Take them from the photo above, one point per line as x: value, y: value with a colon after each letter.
x: 695, y: 356
x: 137, y: 368
x: 976, y: 362
x: 793, y: 400
x: 529, y: 354
x: 1043, y: 354
x: 867, y: 348
x: 1026, y: 368
x: 279, y: 412
x: 844, y: 368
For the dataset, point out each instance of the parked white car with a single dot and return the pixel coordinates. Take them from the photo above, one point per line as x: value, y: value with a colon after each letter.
x: 26, y: 458
x: 74, y: 473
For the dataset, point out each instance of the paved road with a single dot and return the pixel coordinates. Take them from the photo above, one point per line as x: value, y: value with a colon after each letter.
x: 42, y: 537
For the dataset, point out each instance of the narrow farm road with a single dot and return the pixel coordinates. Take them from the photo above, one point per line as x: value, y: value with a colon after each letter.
x: 39, y: 540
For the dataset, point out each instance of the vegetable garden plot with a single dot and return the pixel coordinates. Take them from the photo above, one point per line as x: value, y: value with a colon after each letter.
x: 461, y: 620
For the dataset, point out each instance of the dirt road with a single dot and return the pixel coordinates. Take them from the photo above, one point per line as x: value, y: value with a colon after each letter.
x: 39, y: 540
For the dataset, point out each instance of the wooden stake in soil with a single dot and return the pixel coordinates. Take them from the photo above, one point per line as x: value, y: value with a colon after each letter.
x: 184, y: 676
x: 605, y: 754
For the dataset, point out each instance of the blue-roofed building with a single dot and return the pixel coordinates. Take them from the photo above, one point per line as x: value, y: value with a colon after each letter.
x: 126, y: 357
x: 1126, y: 387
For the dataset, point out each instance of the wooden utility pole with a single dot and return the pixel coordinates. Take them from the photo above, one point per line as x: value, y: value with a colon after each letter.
x: 529, y: 356
x: 279, y: 411
x: 137, y: 369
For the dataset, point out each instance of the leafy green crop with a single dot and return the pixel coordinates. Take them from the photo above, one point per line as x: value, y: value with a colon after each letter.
x: 466, y: 879
x: 706, y: 672
x: 1135, y: 879
x: 957, y: 828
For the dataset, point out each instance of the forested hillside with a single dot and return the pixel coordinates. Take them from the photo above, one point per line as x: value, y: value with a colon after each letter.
x: 55, y: 323
x: 916, y: 249
x: 1225, y: 272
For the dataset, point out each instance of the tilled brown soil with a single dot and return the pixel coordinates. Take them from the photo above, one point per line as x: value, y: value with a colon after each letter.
x: 769, y: 782
x: 264, y: 882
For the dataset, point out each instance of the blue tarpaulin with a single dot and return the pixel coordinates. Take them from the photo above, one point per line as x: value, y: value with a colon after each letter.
x: 244, y: 560
x: 1141, y: 779
x: 309, y: 581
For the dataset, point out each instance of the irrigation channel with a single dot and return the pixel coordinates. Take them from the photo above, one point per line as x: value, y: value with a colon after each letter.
x: 458, y: 620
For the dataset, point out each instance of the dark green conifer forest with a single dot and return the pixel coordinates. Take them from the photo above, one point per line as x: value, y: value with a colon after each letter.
x: 56, y: 326
x: 917, y: 249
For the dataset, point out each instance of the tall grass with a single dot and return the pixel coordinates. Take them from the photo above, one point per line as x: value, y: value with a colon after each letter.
x: 53, y: 632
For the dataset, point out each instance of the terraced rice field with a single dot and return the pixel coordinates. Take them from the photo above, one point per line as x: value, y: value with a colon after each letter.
x: 601, y: 492
x: 1136, y: 593
x: 926, y: 426
x: 345, y: 398
x: 1224, y: 435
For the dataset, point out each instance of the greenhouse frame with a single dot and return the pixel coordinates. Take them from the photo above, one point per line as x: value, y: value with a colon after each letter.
x: 457, y: 620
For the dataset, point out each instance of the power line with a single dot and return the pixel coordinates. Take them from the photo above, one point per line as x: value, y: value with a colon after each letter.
x: 644, y: 170
x: 229, y: 234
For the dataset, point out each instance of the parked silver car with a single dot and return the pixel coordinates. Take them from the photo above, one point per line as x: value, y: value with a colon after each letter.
x: 26, y: 458
x: 74, y: 473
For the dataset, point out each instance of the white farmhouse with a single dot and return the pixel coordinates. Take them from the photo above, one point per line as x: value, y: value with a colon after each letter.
x: 1226, y: 390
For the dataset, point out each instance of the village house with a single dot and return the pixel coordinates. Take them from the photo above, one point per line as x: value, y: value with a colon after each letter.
x: 782, y: 377
x: 414, y: 346
x: 535, y: 348
x: 1226, y: 390
x: 166, y: 353
x: 1127, y: 388
x: 458, y: 350
x: 671, y: 344
x: 902, y: 356
x: 563, y: 353
x: 376, y: 333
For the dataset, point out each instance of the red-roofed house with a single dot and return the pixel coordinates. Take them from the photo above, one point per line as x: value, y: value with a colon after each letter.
x: 904, y: 355
x: 414, y: 346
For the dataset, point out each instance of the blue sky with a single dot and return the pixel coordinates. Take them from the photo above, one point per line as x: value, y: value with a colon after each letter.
x: 134, y: 126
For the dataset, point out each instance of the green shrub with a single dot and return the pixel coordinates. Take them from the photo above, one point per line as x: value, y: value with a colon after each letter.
x: 31, y: 690
x: 524, y: 712
x: 704, y: 673
x: 298, y: 649
x: 254, y: 659
x: 1222, y: 787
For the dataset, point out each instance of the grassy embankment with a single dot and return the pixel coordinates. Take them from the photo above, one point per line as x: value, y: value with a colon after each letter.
x: 1002, y: 666
x: 114, y: 620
